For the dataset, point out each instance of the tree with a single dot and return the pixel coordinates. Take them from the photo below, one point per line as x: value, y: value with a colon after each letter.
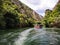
x: 52, y: 18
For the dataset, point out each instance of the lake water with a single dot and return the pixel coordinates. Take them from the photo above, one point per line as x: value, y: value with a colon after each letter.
x: 46, y: 36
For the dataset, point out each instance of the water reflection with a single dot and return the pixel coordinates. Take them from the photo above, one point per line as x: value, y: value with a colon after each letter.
x: 47, y: 36
x: 8, y: 38
x: 43, y: 37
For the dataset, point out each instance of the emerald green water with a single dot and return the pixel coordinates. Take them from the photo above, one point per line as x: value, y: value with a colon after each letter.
x: 47, y: 36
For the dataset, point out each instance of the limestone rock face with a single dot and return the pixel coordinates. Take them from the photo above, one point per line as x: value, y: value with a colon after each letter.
x: 23, y: 9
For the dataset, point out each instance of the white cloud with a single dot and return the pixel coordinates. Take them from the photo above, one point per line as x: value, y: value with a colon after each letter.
x: 32, y: 4
x: 40, y: 4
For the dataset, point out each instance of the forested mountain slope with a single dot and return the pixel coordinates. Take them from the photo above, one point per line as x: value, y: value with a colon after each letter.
x: 52, y: 17
x: 14, y: 14
x: 26, y: 10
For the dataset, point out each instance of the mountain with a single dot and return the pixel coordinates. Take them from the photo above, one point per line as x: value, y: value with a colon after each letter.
x: 52, y: 17
x: 56, y: 14
x: 14, y: 14
x: 26, y: 10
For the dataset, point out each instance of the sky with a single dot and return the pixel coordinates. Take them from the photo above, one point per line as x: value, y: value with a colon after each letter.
x: 40, y: 5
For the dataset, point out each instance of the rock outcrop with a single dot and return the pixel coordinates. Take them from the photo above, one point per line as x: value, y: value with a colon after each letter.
x: 23, y: 9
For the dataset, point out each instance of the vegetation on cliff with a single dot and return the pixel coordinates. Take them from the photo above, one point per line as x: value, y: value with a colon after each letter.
x: 52, y: 17
x: 14, y: 14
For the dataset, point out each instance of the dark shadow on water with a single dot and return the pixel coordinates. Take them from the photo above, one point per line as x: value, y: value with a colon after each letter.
x: 8, y: 36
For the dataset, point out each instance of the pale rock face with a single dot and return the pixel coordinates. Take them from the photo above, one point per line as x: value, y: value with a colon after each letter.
x: 22, y: 8
x: 59, y: 1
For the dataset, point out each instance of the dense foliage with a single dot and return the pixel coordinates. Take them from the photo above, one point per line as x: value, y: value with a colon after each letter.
x: 11, y: 15
x: 52, y: 17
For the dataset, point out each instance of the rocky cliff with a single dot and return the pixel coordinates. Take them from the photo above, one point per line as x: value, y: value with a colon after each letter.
x: 14, y: 14
x: 23, y: 9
